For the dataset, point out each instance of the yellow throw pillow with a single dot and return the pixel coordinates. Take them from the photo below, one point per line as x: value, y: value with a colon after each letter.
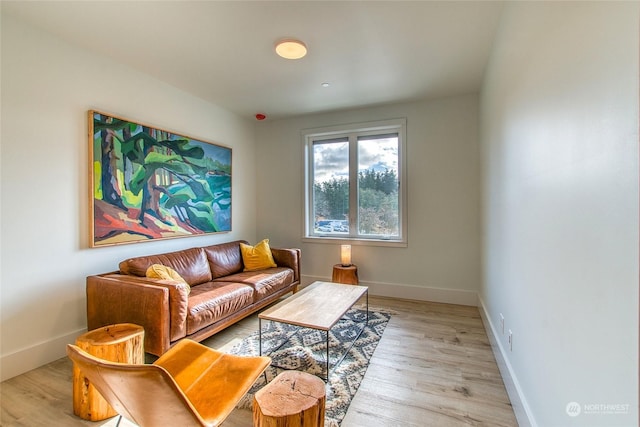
x: 257, y: 257
x: 159, y: 271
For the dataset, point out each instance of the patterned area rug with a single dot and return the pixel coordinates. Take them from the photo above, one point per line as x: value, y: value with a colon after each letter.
x: 305, y: 350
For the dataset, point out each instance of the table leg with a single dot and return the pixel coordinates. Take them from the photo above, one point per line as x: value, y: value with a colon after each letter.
x: 367, y: 294
x: 327, y: 355
x: 259, y: 336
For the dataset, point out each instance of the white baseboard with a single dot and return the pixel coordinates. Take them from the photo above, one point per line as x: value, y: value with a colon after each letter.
x: 518, y: 401
x: 412, y: 292
x: 32, y: 357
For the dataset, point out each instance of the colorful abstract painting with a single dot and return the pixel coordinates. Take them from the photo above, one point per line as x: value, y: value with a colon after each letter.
x: 150, y: 184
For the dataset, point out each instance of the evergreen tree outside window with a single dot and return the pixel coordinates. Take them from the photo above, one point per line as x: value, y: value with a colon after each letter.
x: 354, y: 181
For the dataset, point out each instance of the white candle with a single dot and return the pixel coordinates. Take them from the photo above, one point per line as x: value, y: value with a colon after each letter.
x: 345, y: 255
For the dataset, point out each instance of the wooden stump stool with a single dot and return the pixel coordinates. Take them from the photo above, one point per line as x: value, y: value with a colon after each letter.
x: 347, y: 274
x: 122, y: 343
x: 292, y: 399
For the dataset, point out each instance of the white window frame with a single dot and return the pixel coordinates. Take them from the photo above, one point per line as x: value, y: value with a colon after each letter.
x: 352, y: 131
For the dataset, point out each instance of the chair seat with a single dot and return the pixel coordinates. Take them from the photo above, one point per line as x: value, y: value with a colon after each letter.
x: 214, y: 382
x: 191, y: 384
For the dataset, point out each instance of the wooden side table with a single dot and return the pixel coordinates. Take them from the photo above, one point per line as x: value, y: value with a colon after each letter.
x: 292, y: 399
x: 124, y: 343
x: 345, y: 274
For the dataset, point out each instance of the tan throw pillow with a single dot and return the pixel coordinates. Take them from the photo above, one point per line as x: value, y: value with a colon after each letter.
x: 257, y: 257
x: 159, y: 271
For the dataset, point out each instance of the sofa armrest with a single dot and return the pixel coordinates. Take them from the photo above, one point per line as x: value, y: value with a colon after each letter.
x: 288, y: 258
x: 116, y: 298
x: 178, y: 304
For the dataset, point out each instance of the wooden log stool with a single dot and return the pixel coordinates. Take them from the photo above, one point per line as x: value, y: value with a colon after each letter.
x: 347, y: 274
x: 292, y: 399
x: 122, y: 343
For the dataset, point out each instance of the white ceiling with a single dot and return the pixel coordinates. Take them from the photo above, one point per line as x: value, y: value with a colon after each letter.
x: 371, y: 52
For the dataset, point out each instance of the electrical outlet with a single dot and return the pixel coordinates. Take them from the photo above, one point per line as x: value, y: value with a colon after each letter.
x: 502, y: 323
x: 510, y: 340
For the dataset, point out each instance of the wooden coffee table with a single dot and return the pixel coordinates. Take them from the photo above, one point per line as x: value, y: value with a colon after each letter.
x: 318, y: 306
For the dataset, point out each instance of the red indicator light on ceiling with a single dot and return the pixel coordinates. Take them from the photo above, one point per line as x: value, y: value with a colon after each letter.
x: 260, y: 116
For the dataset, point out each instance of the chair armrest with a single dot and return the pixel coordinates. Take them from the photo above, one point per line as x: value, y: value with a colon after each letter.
x: 288, y: 258
x: 116, y: 298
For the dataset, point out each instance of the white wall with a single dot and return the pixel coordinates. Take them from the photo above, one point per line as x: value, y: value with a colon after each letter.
x: 442, y: 260
x: 47, y: 88
x: 559, y: 131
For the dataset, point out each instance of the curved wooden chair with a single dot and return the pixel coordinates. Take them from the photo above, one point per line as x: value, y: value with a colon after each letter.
x: 189, y: 385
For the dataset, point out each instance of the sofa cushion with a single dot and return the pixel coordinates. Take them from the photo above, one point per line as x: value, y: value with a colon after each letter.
x: 224, y: 259
x: 264, y: 282
x: 191, y: 264
x: 257, y: 257
x: 213, y: 301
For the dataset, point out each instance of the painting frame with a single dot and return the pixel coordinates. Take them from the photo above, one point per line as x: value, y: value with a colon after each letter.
x: 147, y: 183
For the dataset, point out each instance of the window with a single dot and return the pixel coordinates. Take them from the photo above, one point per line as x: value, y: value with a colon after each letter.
x: 355, y: 187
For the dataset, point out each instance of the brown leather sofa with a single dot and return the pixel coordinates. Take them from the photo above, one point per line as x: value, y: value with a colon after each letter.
x: 219, y: 294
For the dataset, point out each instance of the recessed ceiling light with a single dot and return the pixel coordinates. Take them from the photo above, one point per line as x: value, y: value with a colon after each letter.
x: 325, y: 84
x: 291, y: 49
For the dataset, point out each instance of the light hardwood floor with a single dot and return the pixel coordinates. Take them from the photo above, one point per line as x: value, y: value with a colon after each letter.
x: 432, y: 367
